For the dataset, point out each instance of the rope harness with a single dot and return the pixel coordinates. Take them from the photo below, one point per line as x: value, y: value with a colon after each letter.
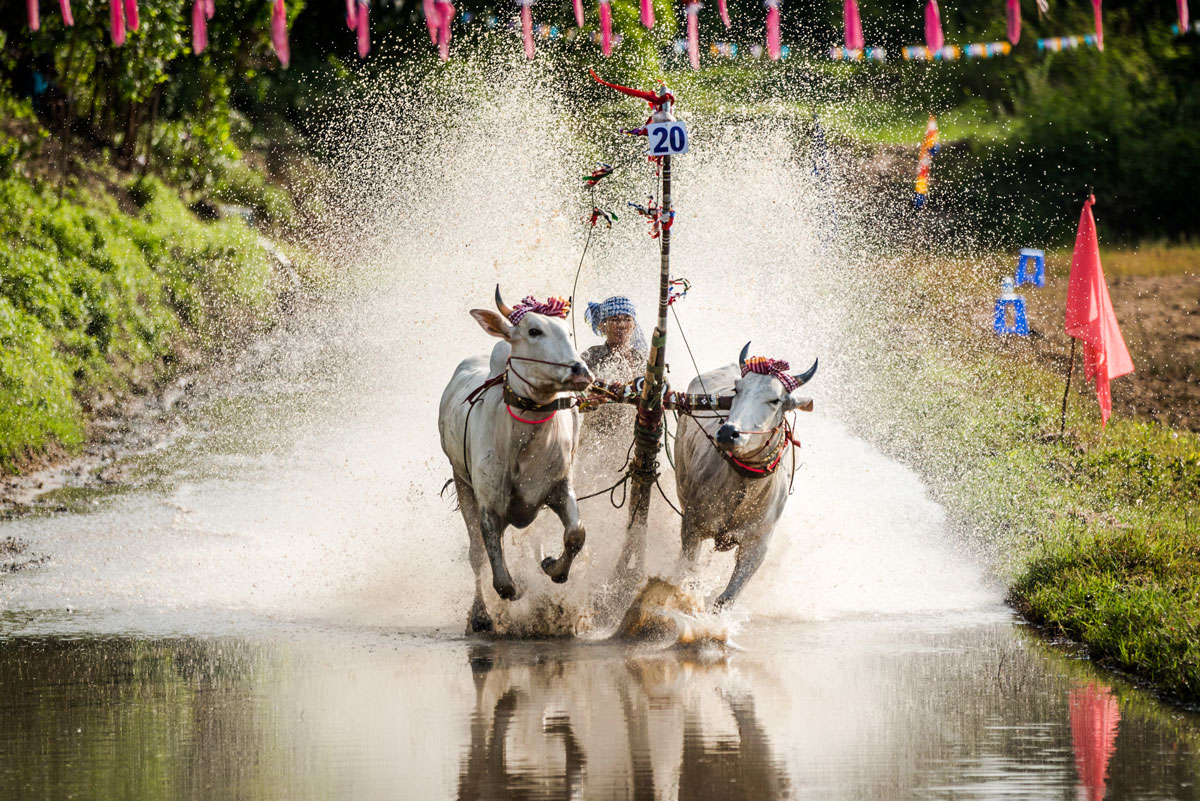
x: 511, y: 398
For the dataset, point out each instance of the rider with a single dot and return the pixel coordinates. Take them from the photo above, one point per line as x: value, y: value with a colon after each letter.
x: 622, y: 357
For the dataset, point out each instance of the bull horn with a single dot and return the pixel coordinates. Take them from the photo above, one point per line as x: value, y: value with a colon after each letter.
x: 806, y: 376
x: 505, y: 310
x: 742, y: 356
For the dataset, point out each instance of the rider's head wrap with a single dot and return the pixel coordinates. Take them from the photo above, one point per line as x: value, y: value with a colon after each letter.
x: 597, y: 313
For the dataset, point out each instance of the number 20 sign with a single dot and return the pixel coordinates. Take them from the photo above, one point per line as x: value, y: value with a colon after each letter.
x: 667, y: 138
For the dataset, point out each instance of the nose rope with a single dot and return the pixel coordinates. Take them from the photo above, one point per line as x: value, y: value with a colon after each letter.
x: 767, y: 466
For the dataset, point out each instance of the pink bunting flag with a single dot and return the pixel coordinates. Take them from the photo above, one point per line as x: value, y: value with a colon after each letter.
x: 605, y: 28
x: 527, y: 27
x: 854, y: 34
x: 199, y: 27
x: 1183, y: 14
x: 446, y: 12
x: 33, y: 13
x: 431, y: 19
x: 692, y: 11
x: 116, y: 21
x: 1099, y: 25
x: 132, y: 20
x: 362, y: 26
x: 578, y: 6
x: 352, y: 14
x: 65, y: 7
x: 279, y: 33
x: 933, y: 27
x: 648, y: 13
x: 773, y: 43
x: 723, y: 7
x: 1013, y: 10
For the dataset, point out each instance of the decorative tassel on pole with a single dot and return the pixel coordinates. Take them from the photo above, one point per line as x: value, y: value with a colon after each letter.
x: 116, y: 21
x: 362, y: 25
x: 605, y: 28
x: 352, y: 14
x: 773, y: 44
x: 854, y: 34
x: 199, y: 26
x: 933, y: 27
x: 723, y: 7
x: 1013, y: 9
x: 578, y: 6
x: 648, y: 13
x: 446, y: 10
x: 1182, y: 6
x: 132, y: 20
x: 34, y: 14
x: 1099, y: 24
x: 279, y: 34
x: 65, y: 7
x: 692, y: 12
x: 431, y: 19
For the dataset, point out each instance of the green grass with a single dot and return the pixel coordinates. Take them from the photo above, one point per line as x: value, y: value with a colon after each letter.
x: 1098, y: 532
x: 96, y: 303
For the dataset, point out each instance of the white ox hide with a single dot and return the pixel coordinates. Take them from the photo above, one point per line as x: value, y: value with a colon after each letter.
x: 506, y: 470
x: 718, y: 502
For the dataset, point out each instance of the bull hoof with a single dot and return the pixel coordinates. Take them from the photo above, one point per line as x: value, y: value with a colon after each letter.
x: 507, y: 591
x: 550, y: 568
x: 479, y: 621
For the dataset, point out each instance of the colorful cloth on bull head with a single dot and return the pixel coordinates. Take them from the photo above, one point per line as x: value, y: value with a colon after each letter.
x: 929, y: 149
x: 553, y: 307
x: 774, y: 367
x: 597, y: 313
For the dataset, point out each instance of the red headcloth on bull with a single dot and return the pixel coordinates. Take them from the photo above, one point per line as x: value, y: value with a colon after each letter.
x: 552, y: 307
x: 775, y: 367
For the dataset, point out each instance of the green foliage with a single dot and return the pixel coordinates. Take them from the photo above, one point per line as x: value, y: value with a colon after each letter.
x: 95, y: 302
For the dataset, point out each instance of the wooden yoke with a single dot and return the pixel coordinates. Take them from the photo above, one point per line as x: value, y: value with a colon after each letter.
x: 605, y: 392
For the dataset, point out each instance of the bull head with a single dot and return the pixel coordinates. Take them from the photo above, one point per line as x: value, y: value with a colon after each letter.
x: 504, y: 309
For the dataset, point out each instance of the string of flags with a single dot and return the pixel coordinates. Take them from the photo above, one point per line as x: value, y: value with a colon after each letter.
x: 439, y: 14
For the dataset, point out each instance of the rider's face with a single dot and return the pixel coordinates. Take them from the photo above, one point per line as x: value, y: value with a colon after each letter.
x: 618, y: 330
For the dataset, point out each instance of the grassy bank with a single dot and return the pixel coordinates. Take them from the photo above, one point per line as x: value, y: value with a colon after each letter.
x: 107, y: 287
x: 1097, y: 532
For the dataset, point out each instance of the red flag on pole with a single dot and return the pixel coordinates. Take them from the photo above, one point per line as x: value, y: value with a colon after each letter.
x: 1090, y: 316
x: 1095, y: 719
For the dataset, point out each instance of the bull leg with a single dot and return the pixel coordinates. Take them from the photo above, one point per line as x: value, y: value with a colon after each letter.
x: 492, y: 528
x: 562, y: 501
x: 750, y: 554
x: 478, y: 620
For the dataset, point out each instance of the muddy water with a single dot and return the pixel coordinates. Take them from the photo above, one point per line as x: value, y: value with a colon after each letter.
x: 969, y: 707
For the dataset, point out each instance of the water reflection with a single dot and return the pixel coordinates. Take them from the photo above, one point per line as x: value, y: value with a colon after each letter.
x: 845, y: 710
x: 1095, y: 717
x: 649, y: 726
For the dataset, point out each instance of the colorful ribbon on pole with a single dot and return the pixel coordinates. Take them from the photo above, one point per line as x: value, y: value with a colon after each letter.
x: 853, y: 25
x: 527, y: 26
x: 1099, y: 24
x: 692, y: 12
x: 202, y: 12
x: 279, y: 33
x: 1013, y: 13
x: 648, y: 13
x: 605, y: 28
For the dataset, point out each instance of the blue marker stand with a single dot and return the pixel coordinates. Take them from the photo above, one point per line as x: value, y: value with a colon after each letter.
x: 1010, y: 299
x: 1031, y: 260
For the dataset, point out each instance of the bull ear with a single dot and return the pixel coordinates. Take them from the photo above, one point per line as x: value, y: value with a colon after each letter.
x: 806, y: 376
x: 493, y: 323
x: 742, y: 356
x: 795, y: 401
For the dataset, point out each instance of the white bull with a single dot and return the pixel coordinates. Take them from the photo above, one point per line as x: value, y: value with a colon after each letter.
x: 726, y: 472
x: 511, y: 450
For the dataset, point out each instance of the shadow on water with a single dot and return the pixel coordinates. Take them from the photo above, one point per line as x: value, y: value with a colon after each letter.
x: 852, y: 709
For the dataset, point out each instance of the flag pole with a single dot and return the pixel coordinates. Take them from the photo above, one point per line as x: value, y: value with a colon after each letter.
x: 1062, y: 424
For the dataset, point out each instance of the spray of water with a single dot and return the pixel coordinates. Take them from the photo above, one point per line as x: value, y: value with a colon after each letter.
x: 309, y: 487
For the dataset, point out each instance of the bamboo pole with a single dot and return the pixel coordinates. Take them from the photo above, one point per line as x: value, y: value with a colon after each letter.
x: 648, y: 428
